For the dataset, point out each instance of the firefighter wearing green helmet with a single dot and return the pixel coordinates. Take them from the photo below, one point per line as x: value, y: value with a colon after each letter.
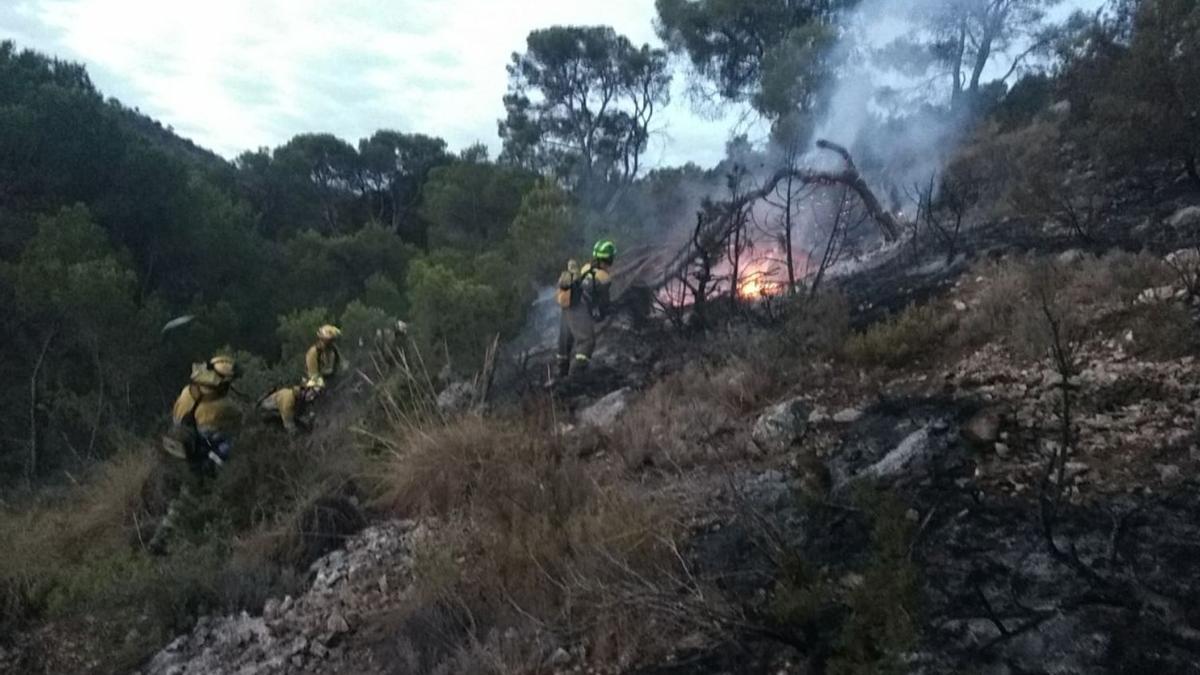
x: 583, y: 294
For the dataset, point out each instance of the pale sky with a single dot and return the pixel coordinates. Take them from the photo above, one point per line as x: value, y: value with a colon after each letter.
x: 234, y: 75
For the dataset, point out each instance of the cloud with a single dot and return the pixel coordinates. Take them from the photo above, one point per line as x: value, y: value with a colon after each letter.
x: 240, y: 74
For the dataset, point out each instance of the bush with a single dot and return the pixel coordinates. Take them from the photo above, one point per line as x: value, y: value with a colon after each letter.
x: 525, y: 539
x: 452, y: 315
x: 901, y: 340
x: 1007, y: 306
x: 687, y: 418
x: 819, y: 325
x: 298, y: 330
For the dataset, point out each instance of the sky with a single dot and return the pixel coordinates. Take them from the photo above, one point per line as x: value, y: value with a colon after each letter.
x: 235, y: 75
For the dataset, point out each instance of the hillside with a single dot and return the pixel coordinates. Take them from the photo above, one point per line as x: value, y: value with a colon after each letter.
x: 756, y: 507
x: 909, y: 385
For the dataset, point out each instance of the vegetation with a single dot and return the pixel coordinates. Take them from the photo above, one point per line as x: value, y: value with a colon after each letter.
x: 111, y: 226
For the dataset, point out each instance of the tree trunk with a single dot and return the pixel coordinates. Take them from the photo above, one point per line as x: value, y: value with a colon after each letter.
x: 787, y: 240
x: 990, y: 29
x: 34, y: 440
x: 959, y: 54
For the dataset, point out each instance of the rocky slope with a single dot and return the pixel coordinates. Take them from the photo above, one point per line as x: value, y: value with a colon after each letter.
x: 1018, y: 567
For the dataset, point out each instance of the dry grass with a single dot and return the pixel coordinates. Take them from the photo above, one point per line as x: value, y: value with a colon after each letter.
x: 692, y: 417
x: 528, y: 543
x: 1006, y: 303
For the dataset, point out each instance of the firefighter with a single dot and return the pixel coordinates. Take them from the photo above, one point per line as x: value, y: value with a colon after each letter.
x: 583, y: 294
x: 289, y: 404
x: 203, y: 421
x: 323, y: 359
x: 203, y: 417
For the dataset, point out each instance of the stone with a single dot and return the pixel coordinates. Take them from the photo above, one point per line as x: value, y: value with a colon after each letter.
x: 1157, y: 294
x: 337, y: 624
x: 1070, y: 257
x: 983, y: 429
x: 910, y: 451
x: 1188, y: 216
x: 960, y: 306
x: 559, y: 658
x: 848, y: 415
x: 456, y: 398
x: 604, y: 413
x: 1002, y: 450
x: 1169, y: 473
x: 781, y: 425
x: 818, y: 416
x: 1187, y: 259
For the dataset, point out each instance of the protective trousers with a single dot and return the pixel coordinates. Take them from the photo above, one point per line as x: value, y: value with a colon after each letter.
x: 576, y: 339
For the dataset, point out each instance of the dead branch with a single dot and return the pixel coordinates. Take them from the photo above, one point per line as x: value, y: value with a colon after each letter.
x: 716, y: 220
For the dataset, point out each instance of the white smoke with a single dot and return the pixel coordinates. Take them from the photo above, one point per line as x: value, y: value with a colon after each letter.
x: 892, y: 116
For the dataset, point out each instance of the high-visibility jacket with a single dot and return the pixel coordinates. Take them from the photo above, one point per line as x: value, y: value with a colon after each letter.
x: 322, y: 360
x: 284, y: 402
x: 206, y: 408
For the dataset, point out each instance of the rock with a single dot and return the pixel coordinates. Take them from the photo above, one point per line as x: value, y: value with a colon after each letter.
x: 983, y: 429
x: 781, y: 425
x: 1168, y: 473
x: 559, y: 658
x: 1187, y: 259
x: 911, y: 450
x: 1002, y: 450
x: 457, y: 398
x: 337, y: 624
x: 960, y: 306
x: 1154, y: 295
x: 848, y: 415
x: 604, y: 413
x: 1070, y: 256
x: 1076, y: 468
x: 1188, y: 216
x: 818, y: 416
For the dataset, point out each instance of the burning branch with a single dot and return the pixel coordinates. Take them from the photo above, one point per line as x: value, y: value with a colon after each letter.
x: 718, y: 220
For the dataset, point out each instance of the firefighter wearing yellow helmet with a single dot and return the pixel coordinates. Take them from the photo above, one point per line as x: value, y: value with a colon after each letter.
x: 583, y: 294
x: 204, y: 418
x: 290, y: 404
x: 323, y: 359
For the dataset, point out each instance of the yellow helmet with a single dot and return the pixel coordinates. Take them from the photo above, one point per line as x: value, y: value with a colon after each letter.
x: 225, y: 366
x: 329, y: 332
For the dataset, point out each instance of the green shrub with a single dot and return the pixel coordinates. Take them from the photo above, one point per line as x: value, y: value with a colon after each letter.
x: 298, y: 330
x: 902, y: 339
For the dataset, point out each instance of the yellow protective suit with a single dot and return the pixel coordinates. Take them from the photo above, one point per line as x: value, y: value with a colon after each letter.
x: 585, y: 301
x: 284, y: 404
x: 208, y: 407
x: 322, y: 360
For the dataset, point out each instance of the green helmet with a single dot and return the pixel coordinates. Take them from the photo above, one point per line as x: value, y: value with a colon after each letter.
x: 604, y: 250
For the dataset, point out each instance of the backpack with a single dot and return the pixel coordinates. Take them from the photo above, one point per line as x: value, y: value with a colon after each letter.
x: 570, y: 283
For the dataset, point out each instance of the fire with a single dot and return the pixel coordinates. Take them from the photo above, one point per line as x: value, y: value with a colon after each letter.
x: 765, y: 274
x: 758, y: 280
x: 762, y: 274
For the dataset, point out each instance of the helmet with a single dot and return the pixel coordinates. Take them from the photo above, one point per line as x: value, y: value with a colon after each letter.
x: 329, y: 332
x: 604, y: 250
x: 225, y: 366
